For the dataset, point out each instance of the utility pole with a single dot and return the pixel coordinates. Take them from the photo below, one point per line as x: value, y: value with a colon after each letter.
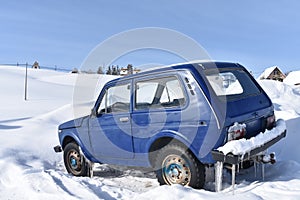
x: 26, y: 83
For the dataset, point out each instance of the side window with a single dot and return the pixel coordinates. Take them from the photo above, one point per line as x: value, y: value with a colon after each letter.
x: 159, y: 93
x: 145, y: 92
x: 172, y: 92
x: 116, y: 99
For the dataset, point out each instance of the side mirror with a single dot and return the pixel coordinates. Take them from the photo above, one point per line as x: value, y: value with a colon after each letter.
x: 94, y: 113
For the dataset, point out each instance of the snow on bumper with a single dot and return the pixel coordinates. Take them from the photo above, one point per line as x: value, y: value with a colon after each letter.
x: 235, y: 151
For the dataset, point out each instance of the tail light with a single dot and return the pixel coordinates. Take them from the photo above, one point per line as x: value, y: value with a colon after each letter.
x: 270, y: 122
x: 236, y: 131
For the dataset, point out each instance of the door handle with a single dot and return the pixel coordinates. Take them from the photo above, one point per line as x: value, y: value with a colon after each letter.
x: 124, y: 119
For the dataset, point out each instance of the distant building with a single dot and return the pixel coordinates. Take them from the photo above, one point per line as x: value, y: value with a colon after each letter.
x: 272, y: 73
x: 293, y: 78
x: 75, y: 71
x: 36, y: 65
x: 129, y: 70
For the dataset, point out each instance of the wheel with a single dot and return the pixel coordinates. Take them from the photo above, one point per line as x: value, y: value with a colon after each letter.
x: 74, y: 161
x: 176, y: 165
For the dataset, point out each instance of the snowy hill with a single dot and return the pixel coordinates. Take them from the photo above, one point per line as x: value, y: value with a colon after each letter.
x: 31, y: 170
x: 292, y: 78
x: 285, y: 98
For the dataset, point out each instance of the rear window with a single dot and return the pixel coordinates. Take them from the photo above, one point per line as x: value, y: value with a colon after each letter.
x: 231, y: 83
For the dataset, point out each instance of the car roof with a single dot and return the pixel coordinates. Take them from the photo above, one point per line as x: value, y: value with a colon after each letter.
x: 187, y: 65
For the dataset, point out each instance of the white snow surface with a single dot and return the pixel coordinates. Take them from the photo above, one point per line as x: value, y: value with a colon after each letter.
x: 292, y: 78
x: 285, y: 98
x: 30, y: 169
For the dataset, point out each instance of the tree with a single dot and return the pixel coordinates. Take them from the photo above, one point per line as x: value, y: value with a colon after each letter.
x: 100, y: 70
x: 130, y: 69
x: 114, y: 70
x: 109, y: 72
x: 118, y: 70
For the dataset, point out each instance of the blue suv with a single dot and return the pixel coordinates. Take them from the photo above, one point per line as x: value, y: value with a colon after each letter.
x: 170, y: 119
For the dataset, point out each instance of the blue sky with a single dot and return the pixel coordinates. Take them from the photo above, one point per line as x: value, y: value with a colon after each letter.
x: 257, y: 34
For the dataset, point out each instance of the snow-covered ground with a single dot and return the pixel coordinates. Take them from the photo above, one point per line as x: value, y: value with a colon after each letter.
x: 31, y: 170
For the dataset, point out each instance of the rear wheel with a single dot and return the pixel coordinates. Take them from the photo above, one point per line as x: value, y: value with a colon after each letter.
x: 176, y: 165
x: 74, y: 161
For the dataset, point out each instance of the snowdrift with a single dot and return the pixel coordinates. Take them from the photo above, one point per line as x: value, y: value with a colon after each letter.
x: 31, y: 170
x: 285, y: 98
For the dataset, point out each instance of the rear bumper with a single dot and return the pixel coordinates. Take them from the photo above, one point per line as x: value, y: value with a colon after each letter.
x: 234, y: 159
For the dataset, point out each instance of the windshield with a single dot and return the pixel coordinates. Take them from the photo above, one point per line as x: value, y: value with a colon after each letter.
x: 231, y: 83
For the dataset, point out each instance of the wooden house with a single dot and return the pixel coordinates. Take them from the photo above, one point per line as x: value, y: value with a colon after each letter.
x: 272, y: 73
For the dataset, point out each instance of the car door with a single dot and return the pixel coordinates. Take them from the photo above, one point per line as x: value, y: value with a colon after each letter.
x: 110, y: 130
x: 158, y: 106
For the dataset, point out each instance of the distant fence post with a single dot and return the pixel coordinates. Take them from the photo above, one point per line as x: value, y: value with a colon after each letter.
x: 26, y: 82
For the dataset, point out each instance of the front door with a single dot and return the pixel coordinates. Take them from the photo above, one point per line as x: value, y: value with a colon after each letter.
x: 110, y: 131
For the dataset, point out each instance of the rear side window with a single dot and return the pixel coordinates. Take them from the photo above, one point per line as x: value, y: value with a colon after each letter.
x: 159, y: 93
x: 231, y: 83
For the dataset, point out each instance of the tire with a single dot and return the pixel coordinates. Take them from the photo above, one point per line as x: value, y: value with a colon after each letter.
x: 75, y: 162
x: 176, y: 165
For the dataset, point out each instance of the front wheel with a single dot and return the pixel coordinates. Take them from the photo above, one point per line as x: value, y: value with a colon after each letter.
x: 74, y: 161
x: 176, y: 165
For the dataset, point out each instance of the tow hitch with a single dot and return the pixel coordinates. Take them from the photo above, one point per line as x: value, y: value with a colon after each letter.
x: 267, y: 158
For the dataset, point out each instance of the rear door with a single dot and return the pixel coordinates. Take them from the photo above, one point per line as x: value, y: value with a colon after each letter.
x: 158, y: 107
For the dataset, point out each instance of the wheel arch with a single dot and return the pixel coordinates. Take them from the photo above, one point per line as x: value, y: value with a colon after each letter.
x: 161, y: 142
x: 70, y: 138
x: 74, y: 138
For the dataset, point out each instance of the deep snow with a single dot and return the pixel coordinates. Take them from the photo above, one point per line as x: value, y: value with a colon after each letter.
x: 31, y: 170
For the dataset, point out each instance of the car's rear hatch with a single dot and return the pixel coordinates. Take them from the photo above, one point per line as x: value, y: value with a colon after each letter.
x: 239, y: 98
x: 253, y: 111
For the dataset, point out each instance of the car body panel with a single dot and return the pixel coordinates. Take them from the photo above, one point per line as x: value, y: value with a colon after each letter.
x: 201, y: 123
